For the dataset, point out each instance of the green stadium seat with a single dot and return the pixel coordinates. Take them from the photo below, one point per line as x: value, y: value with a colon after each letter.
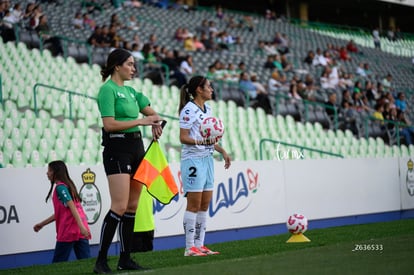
x: 72, y: 157
x: 18, y: 160
x: 36, y: 159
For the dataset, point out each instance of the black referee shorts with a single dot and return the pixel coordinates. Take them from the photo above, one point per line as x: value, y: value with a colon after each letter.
x: 123, y: 154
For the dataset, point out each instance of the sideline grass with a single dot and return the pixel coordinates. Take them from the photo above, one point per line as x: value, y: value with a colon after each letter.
x: 329, y: 252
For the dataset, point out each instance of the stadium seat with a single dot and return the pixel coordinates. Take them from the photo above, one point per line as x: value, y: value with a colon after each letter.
x: 36, y: 159
x: 18, y: 160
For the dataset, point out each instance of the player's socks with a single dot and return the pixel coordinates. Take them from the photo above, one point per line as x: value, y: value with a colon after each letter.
x: 200, y: 228
x: 189, y: 228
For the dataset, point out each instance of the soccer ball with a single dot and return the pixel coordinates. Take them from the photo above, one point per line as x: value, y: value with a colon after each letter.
x: 211, y: 127
x: 297, y: 223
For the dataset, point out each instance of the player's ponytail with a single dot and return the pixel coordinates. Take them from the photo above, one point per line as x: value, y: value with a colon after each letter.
x: 189, y: 90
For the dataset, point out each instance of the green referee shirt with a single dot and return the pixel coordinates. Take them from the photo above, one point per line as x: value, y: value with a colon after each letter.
x: 121, y: 102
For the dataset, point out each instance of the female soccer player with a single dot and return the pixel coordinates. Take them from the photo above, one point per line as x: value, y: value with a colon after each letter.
x: 197, y: 164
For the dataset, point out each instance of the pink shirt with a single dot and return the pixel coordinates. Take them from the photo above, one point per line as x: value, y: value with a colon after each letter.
x: 67, y: 230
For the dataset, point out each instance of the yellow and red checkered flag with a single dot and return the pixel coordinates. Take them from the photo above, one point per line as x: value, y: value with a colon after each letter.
x: 154, y: 171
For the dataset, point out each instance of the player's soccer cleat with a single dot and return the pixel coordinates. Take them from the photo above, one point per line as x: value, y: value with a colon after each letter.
x: 101, y: 267
x: 129, y: 265
x: 207, y: 251
x: 193, y: 251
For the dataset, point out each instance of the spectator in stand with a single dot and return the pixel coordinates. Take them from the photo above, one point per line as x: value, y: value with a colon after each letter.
x: 406, y: 129
x: 28, y: 14
x: 212, y: 29
x: 250, y: 92
x: 17, y: 13
x: 330, y: 78
x: 171, y: 61
x: 387, y: 83
x: 106, y: 37
x: 88, y: 22
x: 260, y: 49
x: 347, y: 97
x: 3, y: 9
x: 219, y: 12
x: 359, y: 102
x: 189, y: 44
x: 148, y: 53
x: 332, y: 50
x: 309, y: 58
x: 136, y: 52
x: 371, y: 92
x: 262, y: 94
x: 114, y: 36
x: 232, y: 73
x: 349, y: 117
x: 132, y: 23
x: 401, y: 102
x: 352, y: 47
x: 208, y: 42
x: 343, y: 54
x: 187, y: 67
x: 34, y: 20
x: 284, y: 45
x: 377, y: 39
x: 345, y: 81
x: 274, y: 85
x: 96, y: 39
x: 115, y: 21
x: 198, y: 45
x: 278, y: 63
x: 319, y: 59
x: 133, y: 4
x: 333, y: 105
x: 50, y: 41
x: 179, y: 34
x: 293, y: 93
x: 270, y: 62
x: 6, y: 27
x: 357, y: 87
x: 287, y: 66
x: 360, y: 71
x: 378, y: 112
x: 77, y: 21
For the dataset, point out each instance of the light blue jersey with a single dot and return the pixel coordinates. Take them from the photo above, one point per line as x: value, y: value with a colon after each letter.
x: 191, y: 117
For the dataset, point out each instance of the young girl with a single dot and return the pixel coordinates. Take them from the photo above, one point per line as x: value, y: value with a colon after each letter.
x: 71, y: 223
x: 197, y: 163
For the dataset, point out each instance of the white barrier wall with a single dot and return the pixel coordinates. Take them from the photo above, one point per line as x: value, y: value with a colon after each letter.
x: 248, y: 194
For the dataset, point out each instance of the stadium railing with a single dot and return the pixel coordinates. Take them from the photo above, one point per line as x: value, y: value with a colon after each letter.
x: 159, y: 67
x: 391, y: 128
x: 68, y: 92
x: 306, y: 104
x: 300, y: 147
x: 1, y: 92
